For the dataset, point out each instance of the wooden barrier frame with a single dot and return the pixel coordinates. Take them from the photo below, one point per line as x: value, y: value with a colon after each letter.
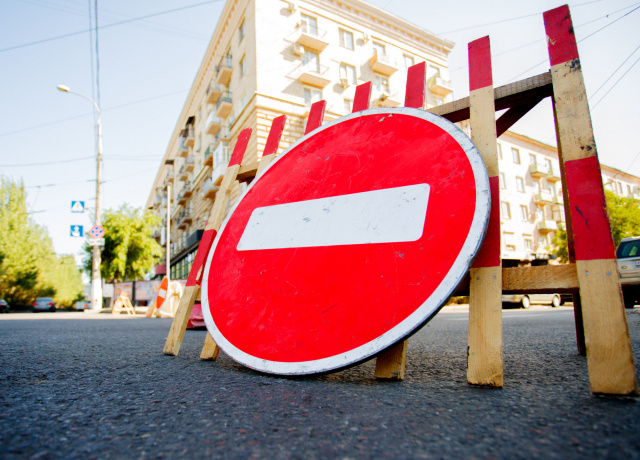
x: 591, y: 275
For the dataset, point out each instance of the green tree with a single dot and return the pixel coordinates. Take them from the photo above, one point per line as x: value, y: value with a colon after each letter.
x: 624, y: 218
x: 130, y: 251
x: 29, y: 267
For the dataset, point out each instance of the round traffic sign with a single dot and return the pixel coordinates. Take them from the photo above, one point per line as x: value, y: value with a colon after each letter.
x: 347, y: 243
x: 97, y: 231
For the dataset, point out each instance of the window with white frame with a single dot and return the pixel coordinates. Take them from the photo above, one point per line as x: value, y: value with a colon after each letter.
x: 499, y: 151
x: 243, y: 66
x: 312, y: 95
x: 408, y: 61
x: 548, y: 165
x: 520, y: 184
x: 309, y: 24
x: 505, y: 210
x: 381, y: 83
x: 241, y: 31
x: 528, y: 244
x: 524, y: 212
x: 348, y: 73
x: 347, y: 106
x: 515, y: 153
x: 502, y: 180
x: 379, y: 49
x: 532, y: 159
x: 346, y: 39
x: 311, y: 61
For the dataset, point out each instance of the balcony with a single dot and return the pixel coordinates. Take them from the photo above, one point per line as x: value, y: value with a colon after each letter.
x: 553, y: 177
x: 184, y: 219
x: 221, y: 156
x: 213, y: 93
x: 183, y: 150
x: 385, y: 100
x: 187, y: 191
x: 546, y: 226
x: 312, y: 38
x: 213, y: 123
x: 440, y: 86
x: 186, y: 169
x: 224, y: 105
x: 557, y: 200
x: 224, y: 71
x: 182, y: 200
x: 169, y: 178
x: 314, y: 74
x: 537, y: 172
x: 383, y: 64
x: 208, y: 189
x: 189, y: 137
x: 543, y: 198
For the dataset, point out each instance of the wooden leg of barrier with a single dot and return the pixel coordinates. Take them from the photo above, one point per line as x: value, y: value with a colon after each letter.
x: 390, y: 364
x: 179, y: 324
x: 578, y: 319
x: 484, y: 357
x: 210, y: 349
x: 609, y: 354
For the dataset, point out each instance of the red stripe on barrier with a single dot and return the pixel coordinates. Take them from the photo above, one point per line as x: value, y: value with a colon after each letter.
x: 480, y: 64
x: 416, y: 93
x: 197, y: 269
x: 489, y: 254
x: 588, y: 207
x: 241, y: 146
x: 316, y: 115
x: 362, y: 97
x: 561, y: 39
x: 275, y: 133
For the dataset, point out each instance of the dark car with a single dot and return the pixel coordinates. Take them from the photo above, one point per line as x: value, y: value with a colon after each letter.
x: 4, y: 306
x: 44, y: 304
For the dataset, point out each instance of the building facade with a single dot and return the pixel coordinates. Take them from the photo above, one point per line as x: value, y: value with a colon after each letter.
x: 272, y: 57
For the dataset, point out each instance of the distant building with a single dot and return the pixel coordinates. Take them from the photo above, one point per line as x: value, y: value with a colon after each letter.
x: 272, y: 57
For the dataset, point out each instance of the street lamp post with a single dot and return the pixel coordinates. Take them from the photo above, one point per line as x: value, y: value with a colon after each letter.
x: 96, y: 279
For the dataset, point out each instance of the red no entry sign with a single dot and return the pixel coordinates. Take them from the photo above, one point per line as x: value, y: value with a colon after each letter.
x: 347, y: 243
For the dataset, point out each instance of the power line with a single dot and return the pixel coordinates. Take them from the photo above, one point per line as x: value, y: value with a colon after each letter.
x: 614, y: 85
x: 119, y: 23
x: 614, y: 72
x: 71, y: 160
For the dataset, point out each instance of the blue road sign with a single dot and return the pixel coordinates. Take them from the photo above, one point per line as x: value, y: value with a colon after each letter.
x: 76, y: 231
x: 77, y: 206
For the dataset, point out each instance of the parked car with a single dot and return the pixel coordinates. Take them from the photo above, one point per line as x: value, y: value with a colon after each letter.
x: 628, y: 255
x: 525, y: 300
x: 83, y: 305
x: 4, y: 306
x: 44, y: 304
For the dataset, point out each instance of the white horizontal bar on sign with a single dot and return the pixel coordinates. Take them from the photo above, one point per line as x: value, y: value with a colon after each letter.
x: 381, y: 216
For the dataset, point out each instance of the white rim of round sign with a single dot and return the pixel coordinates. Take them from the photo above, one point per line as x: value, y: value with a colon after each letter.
x: 415, y: 320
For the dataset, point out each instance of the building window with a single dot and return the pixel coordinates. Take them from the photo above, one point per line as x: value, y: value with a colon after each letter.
x: 243, y: 66
x: 524, y: 211
x: 520, y: 184
x: 379, y: 48
x: 505, y: 210
x: 309, y: 24
x: 516, y: 155
x: 408, y: 61
x: 311, y: 61
x: 433, y: 70
x: 241, y: 31
x: 532, y: 159
x: 381, y: 83
x: 312, y: 95
x: 348, y: 74
x: 347, y: 106
x: 502, y: 181
x: 346, y: 39
x: 528, y: 244
x: 548, y: 165
x: 499, y: 151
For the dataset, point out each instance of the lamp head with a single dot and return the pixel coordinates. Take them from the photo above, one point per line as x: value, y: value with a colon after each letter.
x: 64, y: 88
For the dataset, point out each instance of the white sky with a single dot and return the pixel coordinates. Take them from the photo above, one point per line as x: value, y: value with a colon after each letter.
x: 147, y: 67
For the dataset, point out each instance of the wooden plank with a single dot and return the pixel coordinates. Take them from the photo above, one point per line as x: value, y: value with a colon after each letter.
x: 210, y: 349
x: 179, y: 324
x: 273, y: 140
x: 511, y: 116
x: 484, y: 362
x: 316, y: 115
x: 609, y: 355
x: 548, y: 278
x: 390, y: 364
x: 416, y: 93
x: 514, y: 94
x: 362, y: 97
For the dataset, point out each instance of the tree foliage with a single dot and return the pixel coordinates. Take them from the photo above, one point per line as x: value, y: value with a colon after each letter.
x: 130, y: 251
x: 29, y: 267
x: 624, y: 218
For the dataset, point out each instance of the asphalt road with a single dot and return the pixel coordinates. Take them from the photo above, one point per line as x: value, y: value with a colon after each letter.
x: 101, y: 388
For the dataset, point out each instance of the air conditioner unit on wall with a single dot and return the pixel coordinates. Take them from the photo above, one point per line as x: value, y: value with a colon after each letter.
x: 365, y: 37
x: 298, y: 49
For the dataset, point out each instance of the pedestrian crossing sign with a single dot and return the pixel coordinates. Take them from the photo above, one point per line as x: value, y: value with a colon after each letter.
x: 77, y: 231
x: 77, y: 207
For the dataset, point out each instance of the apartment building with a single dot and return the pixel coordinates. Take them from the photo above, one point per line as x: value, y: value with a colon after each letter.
x: 272, y: 57
x: 531, y: 201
